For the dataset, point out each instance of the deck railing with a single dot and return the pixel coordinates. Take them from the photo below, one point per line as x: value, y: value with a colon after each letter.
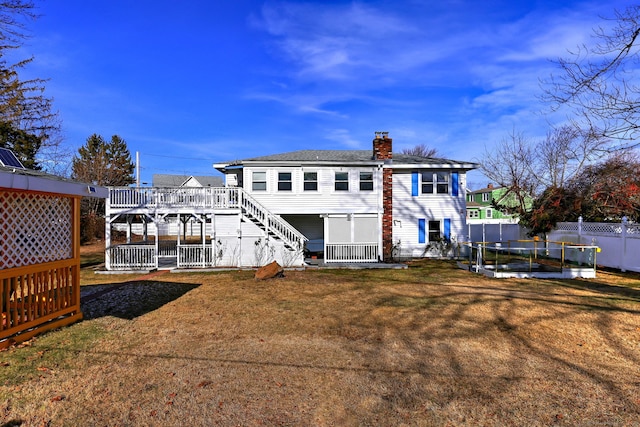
x: 38, y: 297
x: 273, y: 223
x: 168, y: 197
x: 351, y: 252
x: 193, y: 256
x: 209, y: 198
x: 128, y: 257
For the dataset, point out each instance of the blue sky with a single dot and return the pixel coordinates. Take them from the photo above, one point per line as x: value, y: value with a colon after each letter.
x: 191, y: 83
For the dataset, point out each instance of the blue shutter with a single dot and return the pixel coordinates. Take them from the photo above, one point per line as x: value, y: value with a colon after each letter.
x: 415, y: 182
x: 454, y: 184
x: 447, y: 228
x: 421, y: 231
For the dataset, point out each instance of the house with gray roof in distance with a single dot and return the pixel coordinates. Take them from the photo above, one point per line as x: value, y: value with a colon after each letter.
x: 166, y: 180
x: 340, y: 206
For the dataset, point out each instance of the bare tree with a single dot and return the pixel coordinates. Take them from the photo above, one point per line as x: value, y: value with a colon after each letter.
x: 527, y: 168
x: 510, y: 164
x: 13, y: 13
x: 421, y: 150
x: 563, y: 153
x: 599, y: 83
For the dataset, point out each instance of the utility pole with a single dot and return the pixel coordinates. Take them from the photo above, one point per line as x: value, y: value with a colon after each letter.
x: 137, y: 169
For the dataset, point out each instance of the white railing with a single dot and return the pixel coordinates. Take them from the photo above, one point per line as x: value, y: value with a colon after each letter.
x: 351, y: 252
x: 205, y: 197
x: 272, y: 223
x: 127, y: 257
x: 167, y: 248
x: 159, y: 197
x: 191, y: 256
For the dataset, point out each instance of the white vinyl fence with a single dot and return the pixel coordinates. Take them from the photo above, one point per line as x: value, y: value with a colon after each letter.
x: 495, y: 232
x: 619, y: 242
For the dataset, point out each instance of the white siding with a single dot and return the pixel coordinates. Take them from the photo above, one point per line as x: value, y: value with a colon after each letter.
x: 408, y: 209
x: 323, y: 201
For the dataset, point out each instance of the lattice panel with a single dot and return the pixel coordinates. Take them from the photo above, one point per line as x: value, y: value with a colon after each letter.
x: 633, y: 229
x: 567, y: 226
x: 598, y: 227
x: 34, y: 228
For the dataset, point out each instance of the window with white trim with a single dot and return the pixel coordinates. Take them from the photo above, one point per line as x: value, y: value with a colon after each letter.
x: 473, y: 213
x: 442, y: 185
x: 486, y: 197
x: 435, y: 182
x: 284, y: 181
x: 342, y: 181
x: 311, y: 181
x: 259, y: 181
x: 427, y: 183
x: 489, y: 213
x: 366, y: 181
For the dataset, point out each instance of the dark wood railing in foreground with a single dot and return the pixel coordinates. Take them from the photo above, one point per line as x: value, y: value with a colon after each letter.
x: 37, y: 298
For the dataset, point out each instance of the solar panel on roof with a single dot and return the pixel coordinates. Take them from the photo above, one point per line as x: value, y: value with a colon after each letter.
x: 7, y: 158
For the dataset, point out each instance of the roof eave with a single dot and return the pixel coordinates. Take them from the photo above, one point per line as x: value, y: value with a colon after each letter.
x: 16, y: 180
x: 461, y: 166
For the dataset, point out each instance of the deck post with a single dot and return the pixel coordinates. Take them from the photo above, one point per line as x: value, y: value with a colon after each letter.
x: 157, y: 242
x: 107, y: 233
x: 129, y: 219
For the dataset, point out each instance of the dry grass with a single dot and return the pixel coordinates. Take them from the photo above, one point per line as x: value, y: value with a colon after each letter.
x: 431, y: 345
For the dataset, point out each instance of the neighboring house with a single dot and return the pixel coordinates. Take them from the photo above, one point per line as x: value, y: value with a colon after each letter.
x: 165, y: 180
x: 343, y: 205
x: 480, y: 204
x: 39, y: 250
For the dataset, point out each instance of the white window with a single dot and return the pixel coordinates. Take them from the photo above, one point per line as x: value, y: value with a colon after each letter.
x: 486, y: 197
x: 342, y: 181
x: 438, y: 181
x: 489, y: 213
x: 284, y: 181
x: 473, y: 213
x: 259, y: 181
x: 427, y: 182
x: 311, y: 181
x: 442, y: 182
x: 366, y: 181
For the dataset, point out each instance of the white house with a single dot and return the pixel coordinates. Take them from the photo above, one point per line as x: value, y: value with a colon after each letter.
x: 344, y: 205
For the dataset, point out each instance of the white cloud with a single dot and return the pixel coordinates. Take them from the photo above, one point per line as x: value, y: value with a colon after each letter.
x: 343, y: 137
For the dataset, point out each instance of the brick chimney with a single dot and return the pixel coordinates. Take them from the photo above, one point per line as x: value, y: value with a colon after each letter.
x: 382, y: 145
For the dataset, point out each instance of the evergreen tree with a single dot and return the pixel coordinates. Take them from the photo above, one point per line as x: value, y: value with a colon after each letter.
x: 100, y: 163
x: 30, y: 127
x: 24, y: 145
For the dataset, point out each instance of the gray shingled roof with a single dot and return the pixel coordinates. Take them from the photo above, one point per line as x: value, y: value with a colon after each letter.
x: 345, y: 156
x: 167, y: 180
x: 317, y: 155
